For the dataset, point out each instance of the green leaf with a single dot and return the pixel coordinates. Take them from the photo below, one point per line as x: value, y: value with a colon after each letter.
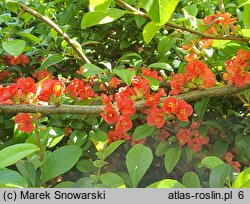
x: 211, y: 162
x: 150, y: 30
x: 112, y: 180
x: 101, y: 17
x: 220, y: 148
x: 91, y: 70
x: 172, y: 156
x: 161, y: 149
x: 30, y: 37
x: 14, y: 47
x: 246, y: 14
x: 84, y: 182
x: 153, y: 83
x: 187, y: 154
x: 27, y: 169
x: 11, y: 179
x: 65, y: 184
x: 166, y: 183
x: 99, y: 4
x: 138, y: 160
x: 160, y: 11
x: 50, y: 60
x: 191, y: 180
x: 112, y: 147
x: 11, y: 154
x: 201, y: 107
x: 242, y: 180
x: 243, y: 3
x: 165, y: 45
x: 125, y: 75
x: 60, y: 161
x: 143, y: 131
x: 161, y: 65
x: 86, y: 166
x: 218, y: 175
x: 78, y: 137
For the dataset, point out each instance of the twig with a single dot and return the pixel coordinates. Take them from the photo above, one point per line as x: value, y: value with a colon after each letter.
x: 172, y: 25
x: 95, y: 110
x: 57, y: 29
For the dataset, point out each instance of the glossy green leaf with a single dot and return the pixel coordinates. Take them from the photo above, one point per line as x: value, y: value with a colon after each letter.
x: 84, y: 182
x: 246, y: 16
x: 91, y: 70
x: 111, y: 148
x: 150, y: 30
x: 101, y: 17
x: 125, y: 75
x: 243, y: 179
x: 161, y: 149
x: 86, y: 166
x: 30, y: 37
x: 50, y: 60
x: 138, y: 160
x: 220, y: 148
x: 99, y: 4
x: 28, y: 171
x: 161, y: 65
x: 165, y: 45
x: 11, y: 154
x: 14, y: 47
x: 160, y: 11
x: 218, y: 175
x: 201, y: 107
x: 211, y: 162
x: 191, y: 180
x: 143, y: 131
x: 112, y: 180
x: 166, y: 183
x: 172, y: 156
x: 60, y: 161
x: 11, y: 179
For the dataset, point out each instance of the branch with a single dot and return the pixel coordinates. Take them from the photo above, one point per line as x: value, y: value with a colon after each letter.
x: 57, y: 29
x: 95, y: 110
x: 172, y: 25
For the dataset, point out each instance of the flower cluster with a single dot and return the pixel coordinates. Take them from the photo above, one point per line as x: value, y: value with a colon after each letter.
x: 218, y: 23
x: 11, y: 60
x: 24, y: 122
x: 191, y: 136
x: 237, y: 69
x: 228, y: 158
x: 197, y: 75
x: 79, y: 90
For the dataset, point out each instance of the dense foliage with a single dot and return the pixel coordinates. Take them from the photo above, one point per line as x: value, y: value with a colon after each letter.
x: 133, y: 93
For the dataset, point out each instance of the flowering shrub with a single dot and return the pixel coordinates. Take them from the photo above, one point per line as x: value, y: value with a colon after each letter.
x: 175, y: 109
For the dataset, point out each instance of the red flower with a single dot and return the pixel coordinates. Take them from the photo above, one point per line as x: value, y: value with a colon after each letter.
x: 126, y: 107
x: 114, y: 82
x: 170, y: 105
x: 123, y: 124
x: 141, y: 141
x: 183, y: 111
x: 184, y: 136
x: 196, y: 143
x: 23, y: 59
x: 27, y: 85
x: 163, y: 135
x: 7, y: 92
x: 106, y: 99
x: 114, y: 136
x: 57, y: 88
x: 24, y: 122
x: 228, y: 157
x: 156, y: 118
x: 109, y: 115
x: 236, y: 165
x: 177, y: 83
